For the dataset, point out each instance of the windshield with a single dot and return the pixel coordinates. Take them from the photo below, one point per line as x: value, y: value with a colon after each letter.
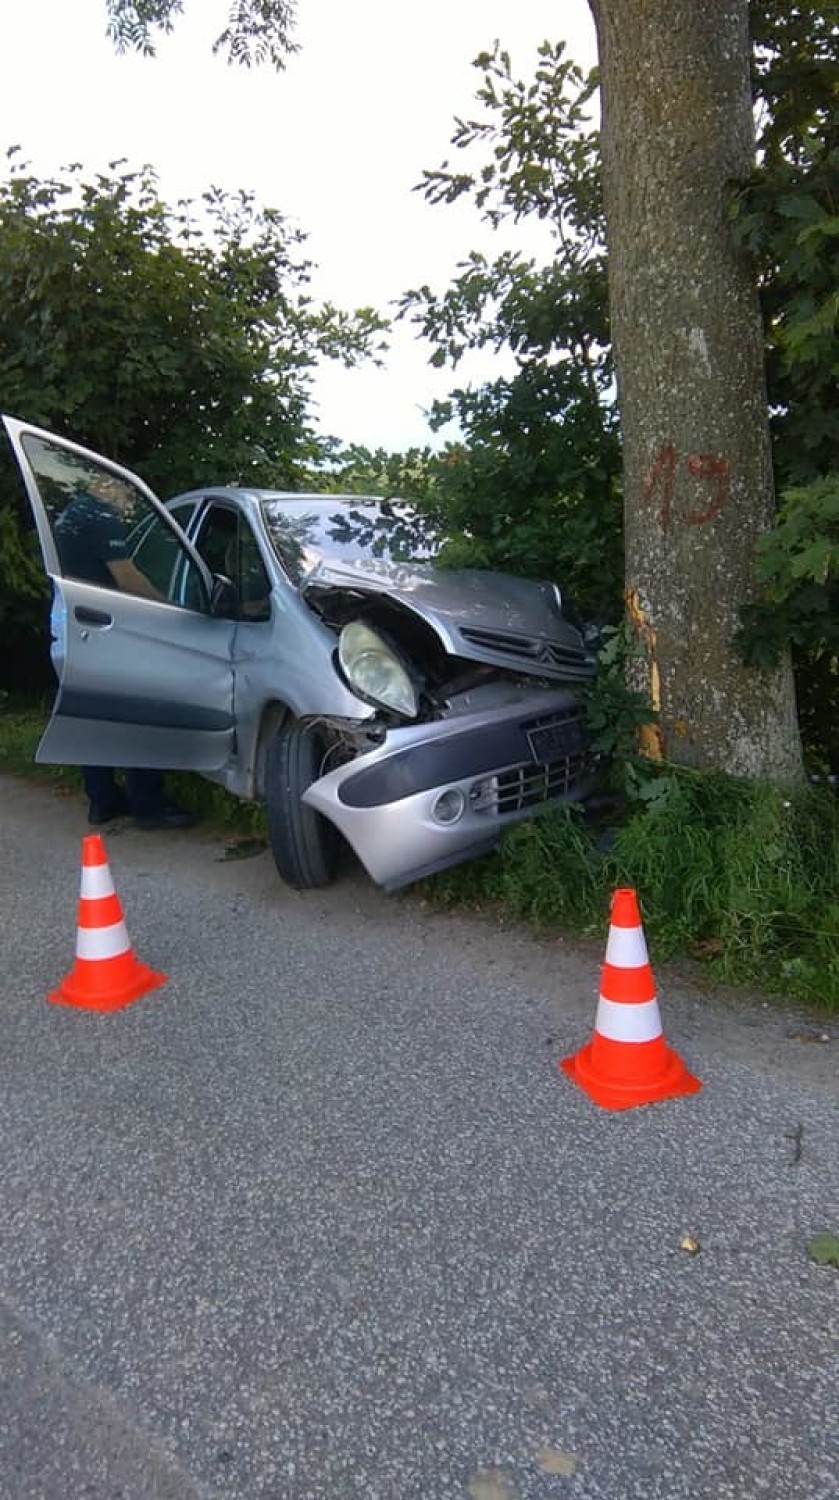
x: 308, y: 529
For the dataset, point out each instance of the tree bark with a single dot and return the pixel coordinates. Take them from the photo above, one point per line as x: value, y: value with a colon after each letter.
x: 677, y: 129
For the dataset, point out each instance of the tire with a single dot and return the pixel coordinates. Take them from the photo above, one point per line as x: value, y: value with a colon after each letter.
x: 304, y: 844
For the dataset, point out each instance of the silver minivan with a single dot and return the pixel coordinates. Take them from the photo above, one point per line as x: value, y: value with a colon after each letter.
x: 304, y: 651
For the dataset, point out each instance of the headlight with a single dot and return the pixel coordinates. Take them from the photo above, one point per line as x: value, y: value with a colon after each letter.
x: 373, y: 670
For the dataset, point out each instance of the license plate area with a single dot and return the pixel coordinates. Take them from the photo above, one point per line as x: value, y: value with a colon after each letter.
x: 550, y: 742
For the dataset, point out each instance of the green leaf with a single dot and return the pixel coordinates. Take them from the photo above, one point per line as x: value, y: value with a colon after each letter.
x: 824, y: 1249
x: 814, y: 562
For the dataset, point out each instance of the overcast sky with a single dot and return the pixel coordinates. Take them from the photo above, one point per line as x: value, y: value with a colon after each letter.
x: 336, y: 143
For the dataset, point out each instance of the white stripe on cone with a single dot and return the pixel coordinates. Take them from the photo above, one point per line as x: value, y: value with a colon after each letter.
x: 627, y: 948
x: 102, y: 942
x: 629, y: 1022
x: 96, y: 882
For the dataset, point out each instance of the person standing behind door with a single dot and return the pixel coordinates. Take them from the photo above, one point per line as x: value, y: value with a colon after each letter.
x: 92, y: 541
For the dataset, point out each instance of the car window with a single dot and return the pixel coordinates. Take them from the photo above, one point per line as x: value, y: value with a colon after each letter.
x: 228, y: 546
x: 183, y: 511
x: 158, y: 554
x: 106, y: 531
x: 252, y: 579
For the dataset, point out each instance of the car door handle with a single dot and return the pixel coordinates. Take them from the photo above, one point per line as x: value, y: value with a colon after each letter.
x: 87, y: 616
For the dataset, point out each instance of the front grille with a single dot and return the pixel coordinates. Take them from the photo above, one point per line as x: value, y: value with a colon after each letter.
x: 501, y: 640
x: 529, y: 785
x: 564, y: 656
x: 526, y: 648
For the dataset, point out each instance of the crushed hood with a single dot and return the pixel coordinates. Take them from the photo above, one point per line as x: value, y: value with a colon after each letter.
x: 481, y: 616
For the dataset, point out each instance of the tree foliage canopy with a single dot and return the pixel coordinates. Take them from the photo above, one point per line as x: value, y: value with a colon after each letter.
x: 176, y: 340
x: 787, y: 218
x: 257, y: 31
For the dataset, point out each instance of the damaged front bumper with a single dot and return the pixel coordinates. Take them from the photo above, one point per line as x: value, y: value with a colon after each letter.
x: 432, y: 795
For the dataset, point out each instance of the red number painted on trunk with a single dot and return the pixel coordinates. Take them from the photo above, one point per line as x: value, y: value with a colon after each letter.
x: 660, y: 484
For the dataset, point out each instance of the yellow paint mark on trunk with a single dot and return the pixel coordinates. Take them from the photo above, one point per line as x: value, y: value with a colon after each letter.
x: 650, y: 737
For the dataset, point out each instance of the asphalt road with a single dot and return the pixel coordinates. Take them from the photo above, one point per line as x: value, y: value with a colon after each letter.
x: 321, y: 1219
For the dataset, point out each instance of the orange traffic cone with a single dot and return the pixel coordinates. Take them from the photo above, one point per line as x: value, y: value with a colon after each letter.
x: 106, y: 975
x: 628, y: 1061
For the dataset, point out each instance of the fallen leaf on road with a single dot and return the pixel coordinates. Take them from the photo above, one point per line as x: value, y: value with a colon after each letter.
x: 824, y: 1249
x: 243, y: 849
x: 690, y: 1244
x: 554, y: 1461
x: 492, y: 1484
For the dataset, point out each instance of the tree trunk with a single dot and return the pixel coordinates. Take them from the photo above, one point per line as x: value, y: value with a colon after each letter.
x: 677, y: 129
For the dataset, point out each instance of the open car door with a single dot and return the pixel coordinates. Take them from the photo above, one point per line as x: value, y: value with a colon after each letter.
x: 144, y: 668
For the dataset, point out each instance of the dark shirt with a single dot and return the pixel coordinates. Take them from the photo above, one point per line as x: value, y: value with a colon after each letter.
x: 89, y: 534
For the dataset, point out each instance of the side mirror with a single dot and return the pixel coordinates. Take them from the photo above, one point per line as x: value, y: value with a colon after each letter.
x: 224, y: 598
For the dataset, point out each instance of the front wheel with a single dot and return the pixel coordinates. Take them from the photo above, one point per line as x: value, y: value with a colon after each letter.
x: 304, y: 844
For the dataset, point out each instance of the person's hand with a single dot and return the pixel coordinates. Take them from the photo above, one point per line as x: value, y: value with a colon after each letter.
x: 130, y: 580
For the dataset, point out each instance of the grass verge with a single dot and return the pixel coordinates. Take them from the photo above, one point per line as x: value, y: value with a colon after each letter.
x: 741, y: 876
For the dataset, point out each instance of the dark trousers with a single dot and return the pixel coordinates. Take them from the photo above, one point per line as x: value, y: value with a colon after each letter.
x: 143, y: 791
